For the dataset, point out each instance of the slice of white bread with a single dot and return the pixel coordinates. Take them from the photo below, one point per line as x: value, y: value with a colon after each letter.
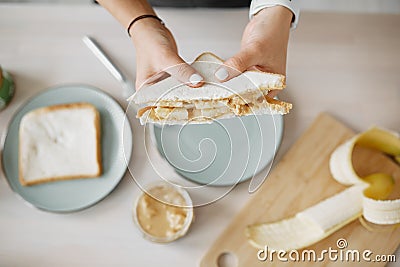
x: 59, y: 142
x: 169, y: 101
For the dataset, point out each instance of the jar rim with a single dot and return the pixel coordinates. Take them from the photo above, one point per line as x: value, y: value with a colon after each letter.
x: 188, y: 207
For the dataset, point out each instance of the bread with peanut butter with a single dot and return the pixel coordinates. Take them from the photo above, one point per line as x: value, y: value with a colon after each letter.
x: 172, y: 102
x: 59, y: 142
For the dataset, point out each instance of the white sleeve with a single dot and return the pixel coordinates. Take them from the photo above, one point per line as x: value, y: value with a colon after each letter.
x: 257, y: 5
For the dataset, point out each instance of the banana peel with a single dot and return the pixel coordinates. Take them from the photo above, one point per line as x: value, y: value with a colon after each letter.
x: 383, y: 140
x: 367, y: 196
x: 381, y: 186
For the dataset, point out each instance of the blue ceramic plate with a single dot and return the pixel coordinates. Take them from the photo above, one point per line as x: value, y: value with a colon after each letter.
x: 73, y: 195
x: 223, y: 153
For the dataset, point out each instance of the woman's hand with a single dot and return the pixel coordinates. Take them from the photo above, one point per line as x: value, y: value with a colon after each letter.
x: 264, y: 45
x: 157, y: 55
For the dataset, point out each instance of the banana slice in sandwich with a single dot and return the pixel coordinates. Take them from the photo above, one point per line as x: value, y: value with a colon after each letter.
x: 366, y: 196
x: 171, y: 102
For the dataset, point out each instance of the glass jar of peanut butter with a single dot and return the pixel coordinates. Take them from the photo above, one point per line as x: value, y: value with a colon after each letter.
x: 6, y: 88
x: 163, y: 212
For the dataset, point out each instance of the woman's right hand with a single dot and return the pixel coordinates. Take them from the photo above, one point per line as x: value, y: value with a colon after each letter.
x: 157, y: 55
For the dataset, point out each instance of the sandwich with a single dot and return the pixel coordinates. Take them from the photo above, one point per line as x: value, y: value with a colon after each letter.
x: 59, y: 142
x: 172, y: 102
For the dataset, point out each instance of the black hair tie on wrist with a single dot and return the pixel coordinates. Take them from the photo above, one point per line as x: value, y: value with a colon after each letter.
x: 143, y: 17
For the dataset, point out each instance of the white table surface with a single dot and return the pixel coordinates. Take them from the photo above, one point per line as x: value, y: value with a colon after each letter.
x: 347, y: 65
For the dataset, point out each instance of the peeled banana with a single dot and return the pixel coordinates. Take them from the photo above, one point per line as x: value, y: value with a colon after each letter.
x: 309, y: 226
x: 366, y: 197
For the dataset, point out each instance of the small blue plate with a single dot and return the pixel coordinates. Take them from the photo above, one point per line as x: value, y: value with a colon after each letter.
x: 73, y: 195
x: 223, y: 153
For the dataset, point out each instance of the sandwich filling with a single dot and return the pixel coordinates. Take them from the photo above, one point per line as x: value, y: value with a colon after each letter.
x: 207, y: 110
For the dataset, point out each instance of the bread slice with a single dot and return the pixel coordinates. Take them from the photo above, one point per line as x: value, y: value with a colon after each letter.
x: 59, y: 142
x: 171, y: 102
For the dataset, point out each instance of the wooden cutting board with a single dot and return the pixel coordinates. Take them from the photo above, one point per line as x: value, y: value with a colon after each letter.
x: 301, y: 179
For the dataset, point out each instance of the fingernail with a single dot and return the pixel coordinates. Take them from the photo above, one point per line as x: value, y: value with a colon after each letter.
x: 195, y: 79
x: 221, y: 74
